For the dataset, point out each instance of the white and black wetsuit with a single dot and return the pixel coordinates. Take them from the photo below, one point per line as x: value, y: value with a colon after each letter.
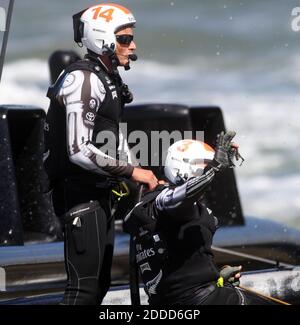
x: 86, y: 106
x: 172, y: 231
x: 85, y: 101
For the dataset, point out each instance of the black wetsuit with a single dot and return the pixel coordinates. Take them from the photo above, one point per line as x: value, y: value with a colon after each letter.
x: 85, y: 100
x: 172, y: 231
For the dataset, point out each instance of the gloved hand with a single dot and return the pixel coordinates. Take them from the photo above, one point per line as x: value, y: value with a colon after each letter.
x: 231, y: 274
x: 223, y: 151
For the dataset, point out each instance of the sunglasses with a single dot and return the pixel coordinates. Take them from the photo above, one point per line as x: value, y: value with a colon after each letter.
x: 124, y: 39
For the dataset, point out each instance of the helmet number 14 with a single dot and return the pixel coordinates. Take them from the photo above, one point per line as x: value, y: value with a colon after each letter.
x: 106, y: 14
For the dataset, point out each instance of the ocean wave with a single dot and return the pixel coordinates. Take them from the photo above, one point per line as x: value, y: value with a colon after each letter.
x: 275, y: 198
x: 25, y: 82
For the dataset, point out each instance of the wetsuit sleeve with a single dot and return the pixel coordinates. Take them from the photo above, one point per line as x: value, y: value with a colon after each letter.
x: 182, y: 197
x: 82, y: 93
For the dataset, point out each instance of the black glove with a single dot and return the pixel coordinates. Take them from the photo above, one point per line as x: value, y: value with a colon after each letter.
x: 223, y: 151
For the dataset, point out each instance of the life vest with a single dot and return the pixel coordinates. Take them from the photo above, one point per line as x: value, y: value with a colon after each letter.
x: 58, y: 165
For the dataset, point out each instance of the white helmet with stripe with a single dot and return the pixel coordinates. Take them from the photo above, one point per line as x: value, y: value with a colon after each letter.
x: 96, y: 26
x: 186, y: 159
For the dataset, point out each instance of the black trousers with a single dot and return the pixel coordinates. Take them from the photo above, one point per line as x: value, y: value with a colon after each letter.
x: 89, y: 241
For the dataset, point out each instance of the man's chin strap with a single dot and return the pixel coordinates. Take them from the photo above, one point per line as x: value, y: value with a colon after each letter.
x: 114, y: 59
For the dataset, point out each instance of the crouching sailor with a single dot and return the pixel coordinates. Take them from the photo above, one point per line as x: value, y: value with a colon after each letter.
x: 172, y: 230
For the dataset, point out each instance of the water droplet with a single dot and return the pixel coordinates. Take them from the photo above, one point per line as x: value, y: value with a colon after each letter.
x: 218, y: 53
x: 172, y: 3
x: 196, y: 17
x: 233, y: 215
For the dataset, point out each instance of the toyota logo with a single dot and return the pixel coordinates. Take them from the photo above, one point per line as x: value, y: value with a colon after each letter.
x: 90, y: 116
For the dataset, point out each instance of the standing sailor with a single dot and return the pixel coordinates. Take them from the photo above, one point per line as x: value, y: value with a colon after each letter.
x: 82, y: 140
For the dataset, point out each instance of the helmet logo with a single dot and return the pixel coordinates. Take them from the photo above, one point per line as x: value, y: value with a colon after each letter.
x: 106, y: 14
x: 184, y: 146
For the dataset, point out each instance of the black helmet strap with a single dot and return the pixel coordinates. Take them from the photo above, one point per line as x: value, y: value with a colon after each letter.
x: 78, y: 26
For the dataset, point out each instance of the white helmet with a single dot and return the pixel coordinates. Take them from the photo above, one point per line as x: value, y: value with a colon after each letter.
x: 95, y: 27
x: 186, y: 159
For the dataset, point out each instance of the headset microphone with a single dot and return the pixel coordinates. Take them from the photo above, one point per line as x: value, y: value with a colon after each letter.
x: 133, y: 57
